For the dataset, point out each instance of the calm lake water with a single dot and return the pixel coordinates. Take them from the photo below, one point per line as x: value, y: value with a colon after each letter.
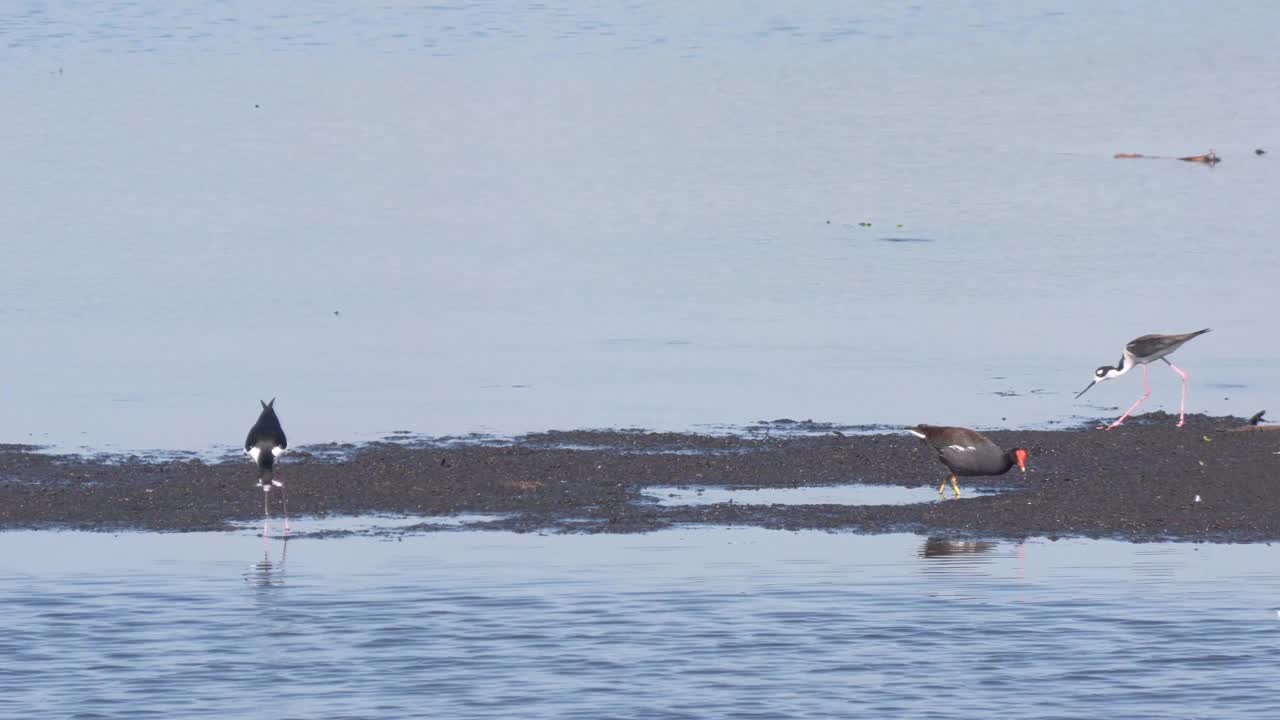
x: 503, y: 217
x: 469, y: 216
x: 676, y: 624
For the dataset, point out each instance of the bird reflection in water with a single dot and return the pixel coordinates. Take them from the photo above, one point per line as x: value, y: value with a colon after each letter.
x: 936, y: 547
x: 265, y: 573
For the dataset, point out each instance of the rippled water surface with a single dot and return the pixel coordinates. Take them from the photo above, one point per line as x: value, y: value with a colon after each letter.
x: 697, y: 623
x: 468, y: 216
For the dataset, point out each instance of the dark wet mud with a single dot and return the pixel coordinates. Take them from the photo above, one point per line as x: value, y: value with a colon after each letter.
x: 1138, y: 482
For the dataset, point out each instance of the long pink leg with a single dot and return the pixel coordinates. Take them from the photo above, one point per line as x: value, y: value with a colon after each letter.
x: 1146, y: 381
x: 1182, y: 409
x: 284, y: 498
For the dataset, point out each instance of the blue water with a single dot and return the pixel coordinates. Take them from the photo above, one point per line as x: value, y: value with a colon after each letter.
x: 469, y: 216
x: 533, y: 216
x: 696, y: 623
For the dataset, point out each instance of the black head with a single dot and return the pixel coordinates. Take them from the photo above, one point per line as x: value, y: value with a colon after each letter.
x: 1104, y: 372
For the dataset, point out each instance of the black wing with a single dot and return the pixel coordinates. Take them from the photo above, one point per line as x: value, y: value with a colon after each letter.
x: 1149, y: 345
x: 952, y: 440
x: 267, y: 428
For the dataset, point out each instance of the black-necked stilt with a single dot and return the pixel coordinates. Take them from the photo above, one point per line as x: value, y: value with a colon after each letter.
x: 1142, y: 351
x: 969, y: 453
x: 265, y: 443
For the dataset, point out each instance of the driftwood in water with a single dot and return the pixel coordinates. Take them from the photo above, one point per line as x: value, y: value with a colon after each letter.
x: 1209, y: 158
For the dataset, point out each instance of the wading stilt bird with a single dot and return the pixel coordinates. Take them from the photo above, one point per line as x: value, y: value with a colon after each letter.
x: 265, y: 443
x: 1143, y: 351
x: 969, y: 453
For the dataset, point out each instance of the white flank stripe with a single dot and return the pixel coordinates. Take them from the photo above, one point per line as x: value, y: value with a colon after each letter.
x: 277, y: 451
x: 254, y: 452
x: 917, y: 433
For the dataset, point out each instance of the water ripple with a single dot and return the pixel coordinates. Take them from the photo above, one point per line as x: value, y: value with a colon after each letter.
x: 728, y: 622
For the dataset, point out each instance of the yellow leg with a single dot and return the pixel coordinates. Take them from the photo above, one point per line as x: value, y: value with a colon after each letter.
x: 942, y: 487
x: 955, y: 485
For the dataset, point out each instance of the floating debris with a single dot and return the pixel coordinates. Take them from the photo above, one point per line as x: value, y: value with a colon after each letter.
x: 1209, y: 158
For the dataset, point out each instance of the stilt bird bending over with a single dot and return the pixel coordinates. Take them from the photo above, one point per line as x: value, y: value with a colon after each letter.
x: 969, y: 453
x: 265, y: 443
x: 1143, y: 351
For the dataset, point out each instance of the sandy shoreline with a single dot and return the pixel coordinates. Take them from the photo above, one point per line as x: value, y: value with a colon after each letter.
x: 1138, y: 483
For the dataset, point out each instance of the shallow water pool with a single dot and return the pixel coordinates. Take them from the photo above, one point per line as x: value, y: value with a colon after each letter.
x: 683, y: 623
x: 851, y: 494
